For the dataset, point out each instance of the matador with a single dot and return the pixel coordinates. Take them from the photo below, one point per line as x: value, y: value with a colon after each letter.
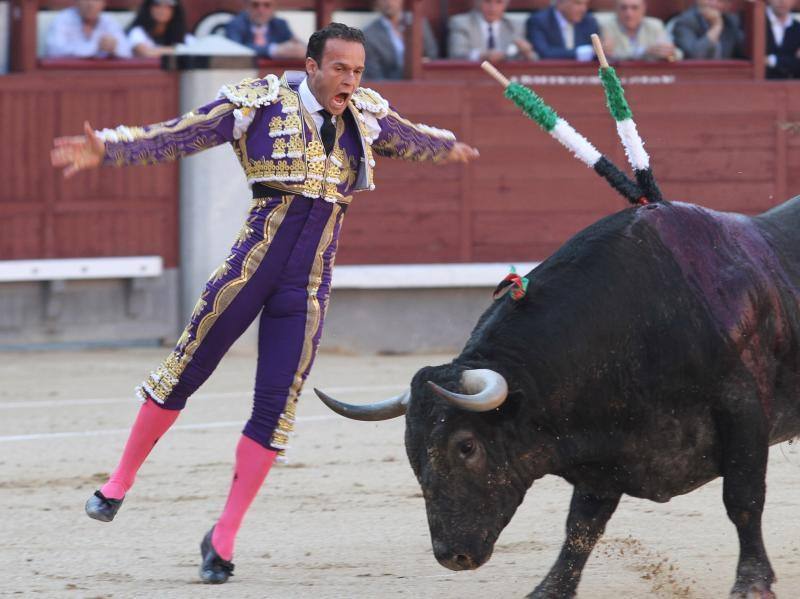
x: 306, y: 142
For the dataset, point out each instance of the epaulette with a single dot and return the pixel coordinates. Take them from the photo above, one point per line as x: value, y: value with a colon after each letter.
x: 248, y: 95
x: 252, y: 93
x: 368, y: 99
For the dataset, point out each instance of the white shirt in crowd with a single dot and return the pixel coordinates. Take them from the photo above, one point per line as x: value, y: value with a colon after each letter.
x: 778, y: 31
x: 138, y: 35
x: 65, y: 37
x: 494, y: 27
x: 583, y: 53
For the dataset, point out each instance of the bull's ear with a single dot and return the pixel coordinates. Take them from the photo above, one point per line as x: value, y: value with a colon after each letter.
x: 485, y: 390
x: 382, y: 410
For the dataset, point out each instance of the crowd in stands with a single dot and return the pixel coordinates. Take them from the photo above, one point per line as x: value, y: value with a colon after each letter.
x: 561, y: 31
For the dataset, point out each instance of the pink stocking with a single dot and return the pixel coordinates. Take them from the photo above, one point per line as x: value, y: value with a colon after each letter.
x: 151, y: 423
x: 253, y: 462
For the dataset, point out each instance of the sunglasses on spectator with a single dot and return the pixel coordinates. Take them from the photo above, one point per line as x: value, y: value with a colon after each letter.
x: 165, y: 2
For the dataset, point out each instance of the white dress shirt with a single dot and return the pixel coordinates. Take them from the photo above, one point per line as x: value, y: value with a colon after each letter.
x: 778, y: 31
x: 65, y: 37
x: 475, y: 53
x: 313, y: 107
x: 583, y: 53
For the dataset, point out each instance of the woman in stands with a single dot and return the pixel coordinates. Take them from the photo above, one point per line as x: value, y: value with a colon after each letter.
x: 158, y: 27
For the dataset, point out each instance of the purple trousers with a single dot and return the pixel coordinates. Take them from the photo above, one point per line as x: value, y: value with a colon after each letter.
x: 280, y: 265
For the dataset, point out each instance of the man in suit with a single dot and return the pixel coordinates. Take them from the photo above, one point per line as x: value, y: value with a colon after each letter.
x: 563, y: 31
x: 258, y: 28
x: 486, y: 33
x: 783, y: 40
x: 385, y: 42
x: 706, y: 31
x: 633, y: 36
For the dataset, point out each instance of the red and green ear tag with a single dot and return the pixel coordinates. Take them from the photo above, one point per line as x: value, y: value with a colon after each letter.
x: 513, y: 284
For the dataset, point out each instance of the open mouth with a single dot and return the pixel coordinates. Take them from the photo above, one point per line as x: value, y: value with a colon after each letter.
x: 339, y: 101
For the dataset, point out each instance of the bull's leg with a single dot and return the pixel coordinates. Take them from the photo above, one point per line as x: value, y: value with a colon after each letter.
x: 745, y: 450
x: 588, y: 515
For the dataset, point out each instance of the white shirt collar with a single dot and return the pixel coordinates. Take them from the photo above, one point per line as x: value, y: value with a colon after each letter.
x: 310, y: 102
x: 562, y: 22
x: 774, y: 19
x: 495, y: 25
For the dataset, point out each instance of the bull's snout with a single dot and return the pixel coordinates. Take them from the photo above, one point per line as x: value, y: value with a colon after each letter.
x: 455, y: 560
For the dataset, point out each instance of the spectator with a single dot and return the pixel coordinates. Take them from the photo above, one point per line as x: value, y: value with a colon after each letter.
x: 385, y: 44
x: 783, y: 41
x: 158, y: 27
x: 706, y: 31
x: 633, y: 36
x: 83, y: 31
x: 485, y: 33
x: 563, y: 31
x: 256, y: 27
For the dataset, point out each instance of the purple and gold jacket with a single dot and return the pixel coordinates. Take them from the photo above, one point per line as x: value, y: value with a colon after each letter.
x: 277, y: 142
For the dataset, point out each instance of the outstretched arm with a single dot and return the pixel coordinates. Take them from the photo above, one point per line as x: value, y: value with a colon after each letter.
x: 195, y: 131
x: 400, y: 138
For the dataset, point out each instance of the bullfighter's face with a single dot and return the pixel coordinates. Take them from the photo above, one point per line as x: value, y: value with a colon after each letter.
x: 470, y: 477
x: 338, y: 74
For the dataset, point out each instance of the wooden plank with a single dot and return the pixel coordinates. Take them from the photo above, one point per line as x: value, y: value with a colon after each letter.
x: 746, y: 197
x: 414, y: 238
x: 21, y: 236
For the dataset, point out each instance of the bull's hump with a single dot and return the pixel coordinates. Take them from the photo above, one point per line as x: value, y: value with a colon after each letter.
x: 724, y: 257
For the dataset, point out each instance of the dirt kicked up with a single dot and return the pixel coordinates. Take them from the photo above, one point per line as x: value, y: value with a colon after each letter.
x: 343, y: 519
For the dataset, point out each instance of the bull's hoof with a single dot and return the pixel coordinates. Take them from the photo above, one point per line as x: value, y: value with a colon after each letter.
x: 757, y: 590
x: 549, y: 591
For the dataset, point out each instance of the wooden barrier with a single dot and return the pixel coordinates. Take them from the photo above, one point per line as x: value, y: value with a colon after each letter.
x: 109, y: 212
x: 520, y: 201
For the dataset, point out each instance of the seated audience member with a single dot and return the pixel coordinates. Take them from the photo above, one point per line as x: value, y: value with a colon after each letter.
x: 563, y: 30
x: 783, y: 41
x: 158, y: 27
x: 83, y: 31
x: 258, y: 28
x: 386, y: 46
x: 630, y: 35
x: 706, y: 31
x: 486, y: 33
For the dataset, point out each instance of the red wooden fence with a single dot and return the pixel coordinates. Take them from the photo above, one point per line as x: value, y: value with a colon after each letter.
x: 108, y: 212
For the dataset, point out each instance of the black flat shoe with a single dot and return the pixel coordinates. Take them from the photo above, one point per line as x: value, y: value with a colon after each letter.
x: 214, y: 569
x: 102, y: 508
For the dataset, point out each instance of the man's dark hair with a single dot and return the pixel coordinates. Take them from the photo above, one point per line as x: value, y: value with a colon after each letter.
x: 316, y: 44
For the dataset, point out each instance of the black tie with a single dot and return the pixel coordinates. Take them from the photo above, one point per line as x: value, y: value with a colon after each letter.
x: 491, y: 43
x: 328, y: 131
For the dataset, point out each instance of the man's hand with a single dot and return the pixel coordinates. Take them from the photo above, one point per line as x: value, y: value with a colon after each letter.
x: 78, y: 152
x: 525, y: 48
x: 492, y: 55
x: 715, y: 23
x: 461, y: 152
x: 664, y: 51
x: 289, y: 50
x: 108, y: 44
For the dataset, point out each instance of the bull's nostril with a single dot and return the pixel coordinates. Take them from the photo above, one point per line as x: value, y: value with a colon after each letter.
x: 463, y: 562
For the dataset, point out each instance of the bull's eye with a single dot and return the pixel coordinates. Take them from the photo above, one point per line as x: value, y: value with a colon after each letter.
x: 466, y: 448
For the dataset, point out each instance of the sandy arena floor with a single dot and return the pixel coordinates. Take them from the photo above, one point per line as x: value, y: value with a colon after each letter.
x: 344, y: 519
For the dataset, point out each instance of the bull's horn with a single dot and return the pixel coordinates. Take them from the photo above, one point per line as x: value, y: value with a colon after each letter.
x: 381, y: 410
x: 486, y: 390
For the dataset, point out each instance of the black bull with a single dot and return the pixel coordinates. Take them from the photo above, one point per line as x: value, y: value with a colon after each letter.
x: 655, y: 351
